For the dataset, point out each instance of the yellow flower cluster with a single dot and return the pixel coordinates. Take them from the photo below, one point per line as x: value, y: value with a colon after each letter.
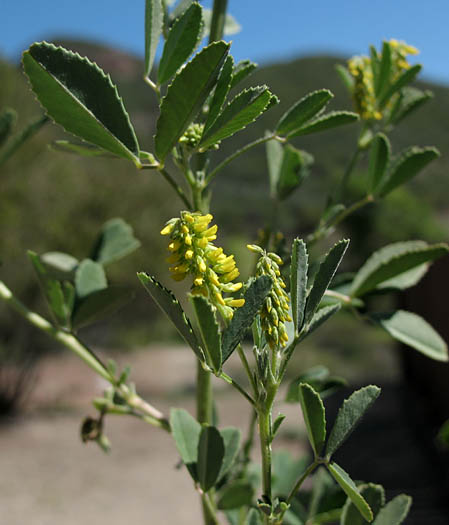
x: 193, y: 253
x: 275, y: 311
x: 360, y: 67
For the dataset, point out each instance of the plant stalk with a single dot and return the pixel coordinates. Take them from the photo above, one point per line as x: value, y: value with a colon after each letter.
x: 218, y: 20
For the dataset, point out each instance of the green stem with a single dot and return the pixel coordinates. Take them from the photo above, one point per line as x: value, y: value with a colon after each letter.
x: 264, y: 417
x: 209, y: 512
x: 247, y: 368
x: 239, y: 152
x: 218, y: 20
x: 17, y: 141
x: 151, y: 414
x: 301, y: 480
x: 204, y: 398
x: 234, y: 383
x: 176, y: 187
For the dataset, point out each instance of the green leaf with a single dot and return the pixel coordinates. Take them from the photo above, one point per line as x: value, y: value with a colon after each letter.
x: 378, y: 161
x: 79, y: 96
x: 116, y: 240
x: 186, y: 432
x: 241, y: 111
x: 405, y: 78
x: 79, y: 148
x: 154, y: 20
x: 89, y: 278
x: 60, y: 265
x: 346, y: 77
x: 395, y: 511
x: 443, y: 435
x: 349, y: 416
x: 210, y: 457
x: 414, y: 331
x: 319, y: 379
x: 325, y: 122
x: 405, y: 280
x: 52, y: 291
x: 383, y: 78
x: 301, y: 112
x: 168, y: 303
x: 231, y: 439
x: 244, y: 316
x: 409, y: 163
x: 209, y: 330
x: 181, y: 41
x: 298, y: 281
x: 237, y: 494
x: 374, y: 495
x: 7, y: 119
x: 295, y: 168
x: 314, y: 416
x: 393, y: 261
x: 410, y: 100
x: 324, y: 277
x: 221, y: 92
x: 320, y: 317
x: 99, y: 304
x: 242, y: 70
x: 275, y: 153
x: 186, y: 95
x: 346, y: 483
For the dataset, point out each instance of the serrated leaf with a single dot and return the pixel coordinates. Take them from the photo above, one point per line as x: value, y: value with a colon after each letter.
x: 373, y: 494
x: 231, y: 439
x: 89, y: 278
x: 383, y: 78
x: 303, y: 111
x: 414, y: 331
x: 99, y: 304
x: 221, y: 92
x: 349, y: 416
x: 324, y: 277
x: 348, y: 486
x: 52, y: 291
x: 168, y: 303
x: 410, y: 100
x: 186, y: 95
x: 319, y: 379
x: 242, y: 70
x: 406, y: 77
x: 314, y: 416
x: 186, y: 432
x: 181, y: 41
x: 320, y: 317
x: 7, y: 119
x: 346, y: 77
x: 115, y: 241
x: 409, y: 163
x: 295, y: 168
x: 79, y: 96
x: 298, y: 282
x: 179, y: 9
x: 154, y: 21
x: 241, y: 111
x: 60, y: 265
x: 325, y: 122
x: 393, y: 261
x: 378, y: 161
x: 210, y: 457
x: 209, y: 330
x: 395, y: 511
x: 237, y: 494
x: 244, y: 316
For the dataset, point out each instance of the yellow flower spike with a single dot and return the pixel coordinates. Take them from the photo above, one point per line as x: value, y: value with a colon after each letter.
x: 213, y: 278
x: 201, y: 264
x: 210, y: 231
x: 219, y: 298
x: 188, y: 218
x: 184, y: 229
x: 188, y: 240
x: 174, y: 258
x: 173, y: 246
x: 230, y: 276
x: 189, y: 254
x: 198, y: 281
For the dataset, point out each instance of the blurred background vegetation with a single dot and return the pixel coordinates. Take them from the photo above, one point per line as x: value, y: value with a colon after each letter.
x: 53, y: 201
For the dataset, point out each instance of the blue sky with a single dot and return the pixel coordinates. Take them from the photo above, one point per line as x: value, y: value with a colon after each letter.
x: 272, y: 29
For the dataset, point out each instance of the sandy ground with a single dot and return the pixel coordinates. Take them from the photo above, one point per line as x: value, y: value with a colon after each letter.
x: 48, y: 477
